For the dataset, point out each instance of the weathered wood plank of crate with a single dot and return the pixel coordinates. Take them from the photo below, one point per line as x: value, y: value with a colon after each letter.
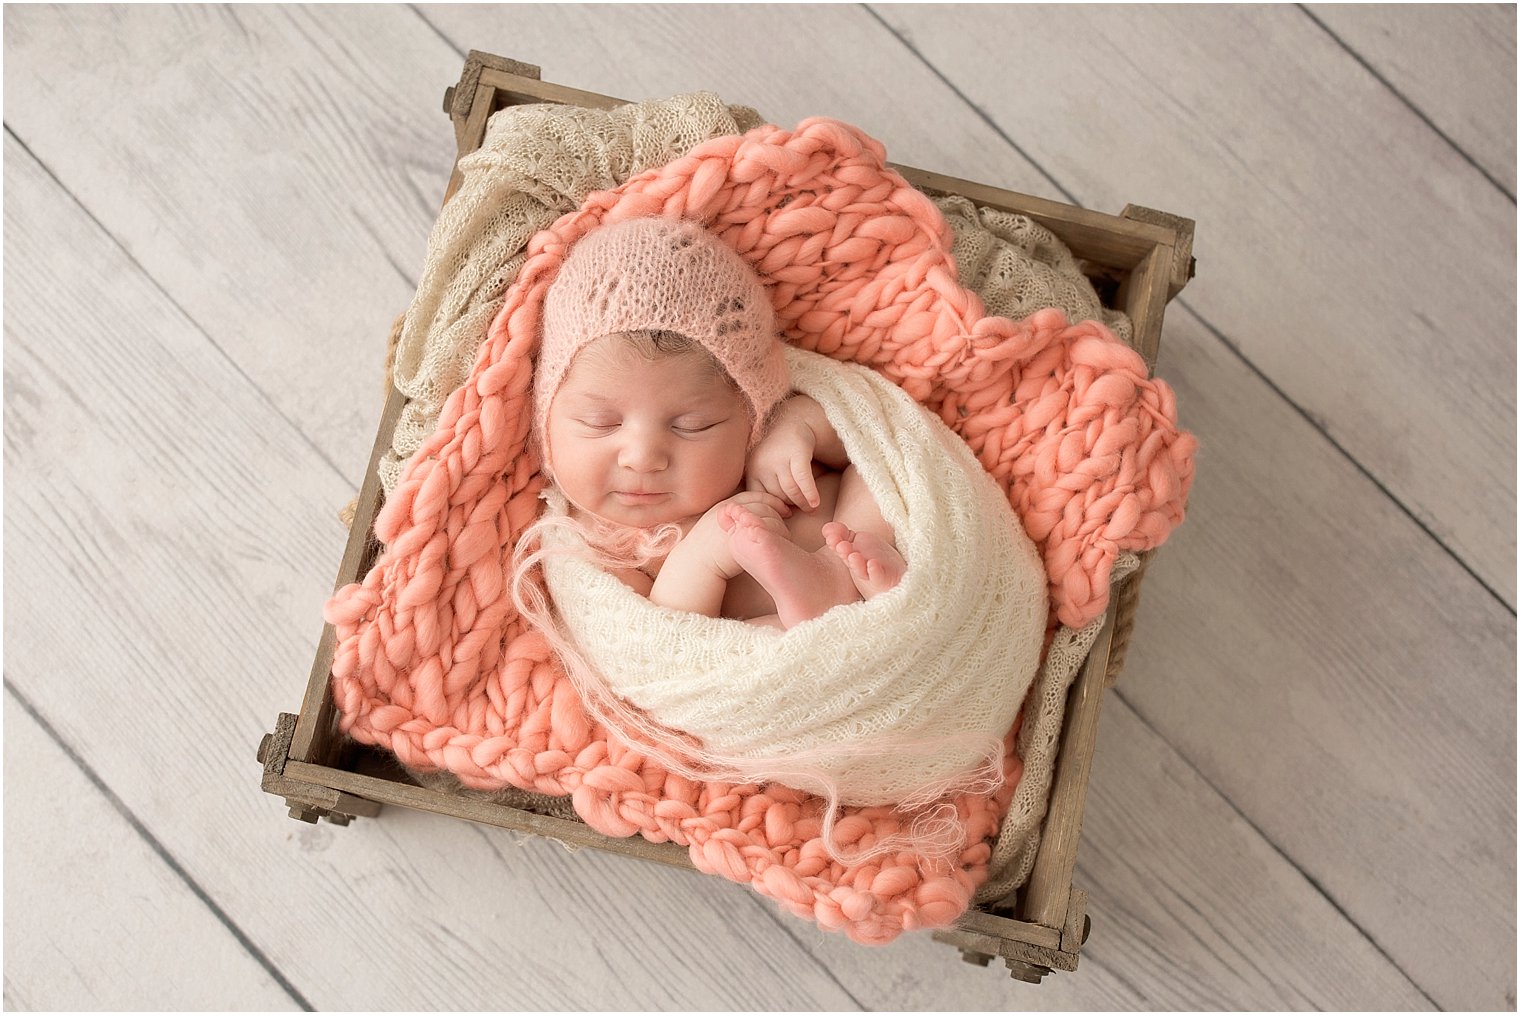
x: 316, y: 738
x: 1184, y: 265
x: 338, y: 794
x: 308, y: 799
x: 1143, y: 294
x: 1046, y: 894
x: 457, y: 99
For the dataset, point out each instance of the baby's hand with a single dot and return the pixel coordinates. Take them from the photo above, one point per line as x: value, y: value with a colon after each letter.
x: 782, y: 464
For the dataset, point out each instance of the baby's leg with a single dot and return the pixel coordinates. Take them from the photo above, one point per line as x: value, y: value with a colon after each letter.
x: 802, y: 584
x: 863, y: 539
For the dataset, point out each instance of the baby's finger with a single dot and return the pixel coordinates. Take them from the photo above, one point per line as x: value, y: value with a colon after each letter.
x: 807, y: 486
x: 792, y: 493
x: 762, y: 486
x: 726, y: 517
x: 753, y: 499
x: 777, y: 504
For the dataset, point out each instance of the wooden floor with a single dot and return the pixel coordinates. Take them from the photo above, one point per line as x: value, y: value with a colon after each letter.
x: 1304, y: 792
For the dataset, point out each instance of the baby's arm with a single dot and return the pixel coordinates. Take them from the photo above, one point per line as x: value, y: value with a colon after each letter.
x: 696, y: 574
x: 782, y: 463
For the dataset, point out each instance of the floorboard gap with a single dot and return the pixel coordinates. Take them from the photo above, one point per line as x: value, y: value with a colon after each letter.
x: 434, y: 29
x: 148, y: 277
x: 981, y: 113
x: 785, y: 922
x: 1323, y: 431
x: 158, y: 847
x: 1117, y: 691
x: 1405, y: 100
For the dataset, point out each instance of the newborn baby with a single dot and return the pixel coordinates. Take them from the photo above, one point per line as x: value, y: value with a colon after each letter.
x: 661, y: 399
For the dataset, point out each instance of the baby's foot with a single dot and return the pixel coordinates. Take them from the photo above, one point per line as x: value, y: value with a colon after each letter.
x: 875, y: 565
x: 803, y: 585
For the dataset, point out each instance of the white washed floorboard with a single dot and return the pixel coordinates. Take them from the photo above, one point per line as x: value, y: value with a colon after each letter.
x: 1359, y: 262
x: 292, y: 280
x: 640, y: 52
x: 1190, y: 909
x: 197, y: 640
x: 1455, y: 63
x: 94, y: 919
x: 312, y: 137
x: 1195, y: 909
x: 1339, y: 678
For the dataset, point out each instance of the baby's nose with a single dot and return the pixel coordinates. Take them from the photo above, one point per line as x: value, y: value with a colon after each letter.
x: 643, y: 456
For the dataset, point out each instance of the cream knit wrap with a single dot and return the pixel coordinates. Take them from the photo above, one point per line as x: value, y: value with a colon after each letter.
x: 873, y: 702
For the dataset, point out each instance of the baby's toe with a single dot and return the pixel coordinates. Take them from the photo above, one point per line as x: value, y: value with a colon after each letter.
x: 860, y: 566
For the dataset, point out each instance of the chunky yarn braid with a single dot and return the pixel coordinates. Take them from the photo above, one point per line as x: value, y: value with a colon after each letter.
x: 433, y: 662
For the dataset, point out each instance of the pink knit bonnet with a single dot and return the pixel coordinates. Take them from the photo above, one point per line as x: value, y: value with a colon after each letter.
x: 667, y: 275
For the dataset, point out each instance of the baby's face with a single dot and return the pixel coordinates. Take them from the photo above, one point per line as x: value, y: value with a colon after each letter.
x: 641, y: 441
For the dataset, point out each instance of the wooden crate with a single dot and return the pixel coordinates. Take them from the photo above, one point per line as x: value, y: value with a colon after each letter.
x: 1138, y: 260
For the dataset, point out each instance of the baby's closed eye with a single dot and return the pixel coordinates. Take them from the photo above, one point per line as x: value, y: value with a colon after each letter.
x: 695, y: 424
x: 599, y: 424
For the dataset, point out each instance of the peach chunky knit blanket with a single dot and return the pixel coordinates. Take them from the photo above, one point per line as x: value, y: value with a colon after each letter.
x: 433, y: 662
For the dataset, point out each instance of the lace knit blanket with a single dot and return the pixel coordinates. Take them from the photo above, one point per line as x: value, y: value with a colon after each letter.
x: 433, y: 663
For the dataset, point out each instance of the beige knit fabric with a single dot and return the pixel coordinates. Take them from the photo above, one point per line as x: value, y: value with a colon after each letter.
x: 537, y: 162
x: 1017, y: 266
x: 1039, y: 741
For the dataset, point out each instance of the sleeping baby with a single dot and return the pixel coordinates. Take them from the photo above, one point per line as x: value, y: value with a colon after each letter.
x: 698, y: 468
x: 662, y: 406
